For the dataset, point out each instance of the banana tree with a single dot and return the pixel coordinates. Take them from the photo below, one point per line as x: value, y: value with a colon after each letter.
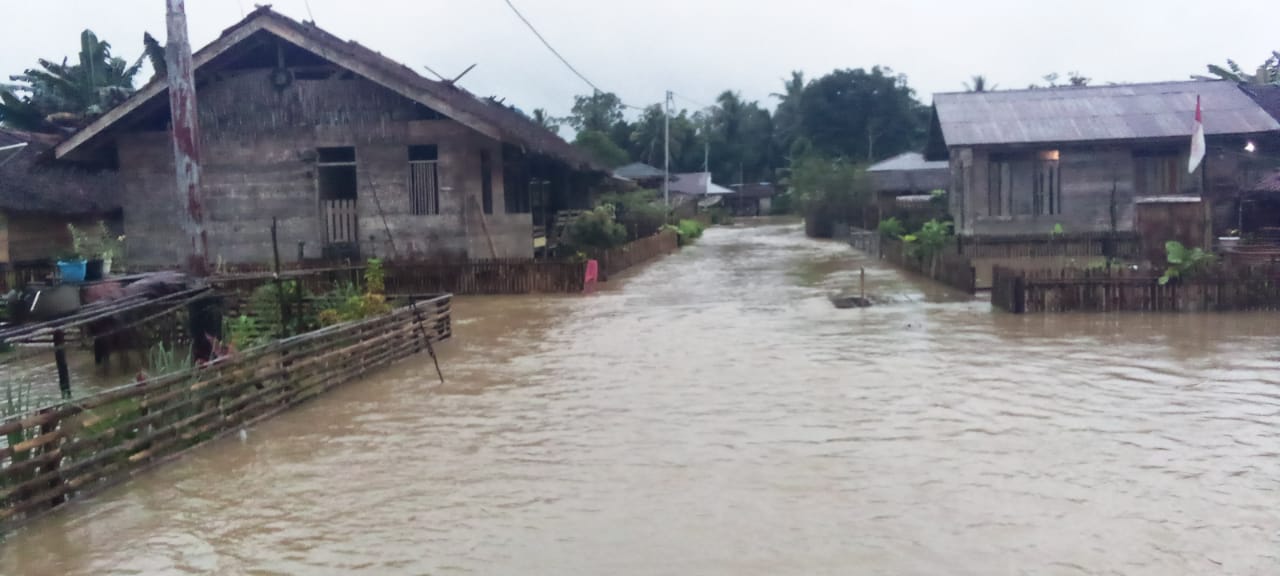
x: 62, y: 96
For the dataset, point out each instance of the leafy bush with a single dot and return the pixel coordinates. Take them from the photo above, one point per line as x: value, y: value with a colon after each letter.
x: 720, y: 217
x: 930, y: 240
x: 688, y: 230
x: 596, y: 230
x: 375, y: 277
x: 1184, y: 263
x: 891, y: 228
x: 264, y: 304
x: 243, y: 333
x: 639, y: 212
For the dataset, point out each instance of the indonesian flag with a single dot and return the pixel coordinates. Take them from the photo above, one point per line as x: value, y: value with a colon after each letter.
x: 1197, y: 141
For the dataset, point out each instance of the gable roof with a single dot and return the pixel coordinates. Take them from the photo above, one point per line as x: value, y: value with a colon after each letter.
x: 482, y: 115
x: 1266, y: 95
x: 639, y: 171
x: 29, y: 184
x: 907, y: 161
x: 1091, y: 113
x: 696, y: 184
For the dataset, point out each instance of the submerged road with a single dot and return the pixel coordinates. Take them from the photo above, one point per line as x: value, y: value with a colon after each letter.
x: 712, y: 414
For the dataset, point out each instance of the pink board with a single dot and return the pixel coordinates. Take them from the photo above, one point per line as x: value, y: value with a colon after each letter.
x: 593, y: 273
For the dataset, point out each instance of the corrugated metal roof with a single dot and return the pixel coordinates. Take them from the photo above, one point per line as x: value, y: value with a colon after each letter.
x: 1075, y: 114
x: 907, y: 161
x: 639, y: 171
x: 696, y: 184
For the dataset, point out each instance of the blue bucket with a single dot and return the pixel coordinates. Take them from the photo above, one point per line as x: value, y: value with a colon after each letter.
x: 71, y: 272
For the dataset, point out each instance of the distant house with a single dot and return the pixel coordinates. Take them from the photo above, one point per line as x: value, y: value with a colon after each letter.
x: 1023, y: 161
x: 750, y: 199
x: 904, y: 185
x: 38, y: 200
x: 642, y: 174
x: 354, y: 153
x: 695, y: 190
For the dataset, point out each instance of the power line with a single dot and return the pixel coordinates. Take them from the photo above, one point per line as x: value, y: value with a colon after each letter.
x: 550, y: 47
x: 692, y: 101
x: 560, y: 56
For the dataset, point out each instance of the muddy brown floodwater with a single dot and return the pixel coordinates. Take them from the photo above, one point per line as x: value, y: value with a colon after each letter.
x: 713, y: 414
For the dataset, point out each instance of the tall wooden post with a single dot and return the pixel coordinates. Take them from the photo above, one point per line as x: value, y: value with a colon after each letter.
x: 186, y: 136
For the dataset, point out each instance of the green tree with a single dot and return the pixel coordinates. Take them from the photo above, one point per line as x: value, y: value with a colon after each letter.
x: 862, y: 114
x: 786, y: 118
x: 601, y: 148
x: 979, y: 83
x: 545, y: 120
x: 740, y: 133
x: 63, y: 97
x: 597, y: 112
x: 1267, y: 73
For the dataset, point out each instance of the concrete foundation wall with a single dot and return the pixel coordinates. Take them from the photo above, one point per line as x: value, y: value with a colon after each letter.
x: 259, y: 159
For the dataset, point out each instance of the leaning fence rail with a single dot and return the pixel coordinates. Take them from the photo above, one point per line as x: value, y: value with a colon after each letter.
x: 615, y: 260
x: 72, y: 448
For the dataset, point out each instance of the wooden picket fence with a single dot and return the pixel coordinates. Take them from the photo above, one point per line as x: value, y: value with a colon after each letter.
x: 502, y: 276
x: 1223, y: 288
x: 73, y: 448
x: 951, y: 269
x: 1025, y: 246
x: 615, y: 260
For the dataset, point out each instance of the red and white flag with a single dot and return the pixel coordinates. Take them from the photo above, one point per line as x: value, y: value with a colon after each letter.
x: 1197, y: 141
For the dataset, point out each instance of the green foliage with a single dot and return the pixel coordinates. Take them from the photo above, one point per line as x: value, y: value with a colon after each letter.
x: 164, y: 360
x: 720, y: 217
x: 595, y: 230
x: 862, y: 114
x: 375, y: 277
x: 640, y: 211
x: 1057, y: 230
x: 1267, y: 73
x: 264, y: 304
x: 95, y: 242
x: 60, y: 96
x: 688, y: 230
x: 601, y: 148
x: 830, y: 190
x: 891, y: 228
x: 243, y: 332
x: 930, y: 240
x: 597, y: 112
x: 1183, y: 262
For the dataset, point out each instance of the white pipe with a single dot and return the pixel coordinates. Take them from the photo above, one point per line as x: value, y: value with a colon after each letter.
x: 13, y: 146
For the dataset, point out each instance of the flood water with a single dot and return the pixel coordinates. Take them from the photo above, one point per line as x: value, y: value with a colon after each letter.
x: 712, y: 414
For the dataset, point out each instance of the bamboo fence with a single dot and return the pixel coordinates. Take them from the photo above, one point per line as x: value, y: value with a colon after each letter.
x: 73, y: 448
x: 1222, y: 288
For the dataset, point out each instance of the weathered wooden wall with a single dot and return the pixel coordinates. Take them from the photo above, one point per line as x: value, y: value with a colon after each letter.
x: 1160, y: 222
x: 1088, y: 176
x: 33, y: 237
x: 259, y: 151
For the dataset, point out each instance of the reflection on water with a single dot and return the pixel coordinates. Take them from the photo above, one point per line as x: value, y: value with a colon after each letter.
x: 713, y: 414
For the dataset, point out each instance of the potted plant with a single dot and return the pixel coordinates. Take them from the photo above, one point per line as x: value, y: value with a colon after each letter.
x: 112, y: 249
x: 71, y: 267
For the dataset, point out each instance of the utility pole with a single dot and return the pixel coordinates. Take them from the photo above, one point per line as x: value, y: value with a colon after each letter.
x: 666, y: 150
x: 186, y: 136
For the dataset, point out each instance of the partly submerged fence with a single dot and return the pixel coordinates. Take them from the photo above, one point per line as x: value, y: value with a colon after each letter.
x: 615, y: 260
x: 953, y: 270
x: 508, y: 276
x: 72, y: 448
x: 1123, y: 290
x: 1124, y: 245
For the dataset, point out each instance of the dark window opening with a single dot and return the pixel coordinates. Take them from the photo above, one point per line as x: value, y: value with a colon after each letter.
x: 1046, y: 193
x: 1158, y: 172
x: 486, y: 182
x: 345, y: 154
x: 424, y: 181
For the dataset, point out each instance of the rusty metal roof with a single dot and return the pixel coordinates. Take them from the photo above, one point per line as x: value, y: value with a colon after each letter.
x: 1097, y: 113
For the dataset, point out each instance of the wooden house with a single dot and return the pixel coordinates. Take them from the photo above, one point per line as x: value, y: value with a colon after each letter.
x: 38, y: 200
x: 354, y: 154
x: 750, y: 199
x: 904, y: 186
x: 1023, y: 162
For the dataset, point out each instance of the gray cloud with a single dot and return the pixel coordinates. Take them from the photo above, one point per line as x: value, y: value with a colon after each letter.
x: 701, y: 47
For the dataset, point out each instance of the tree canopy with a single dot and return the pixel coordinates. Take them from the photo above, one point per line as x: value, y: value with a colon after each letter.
x: 60, y: 96
x: 862, y: 115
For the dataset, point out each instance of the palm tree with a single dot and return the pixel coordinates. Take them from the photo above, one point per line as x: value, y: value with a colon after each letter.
x: 978, y: 83
x: 545, y: 120
x: 62, y: 96
x: 1268, y: 72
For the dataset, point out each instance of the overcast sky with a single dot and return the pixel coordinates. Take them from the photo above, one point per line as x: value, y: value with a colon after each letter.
x: 699, y: 48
